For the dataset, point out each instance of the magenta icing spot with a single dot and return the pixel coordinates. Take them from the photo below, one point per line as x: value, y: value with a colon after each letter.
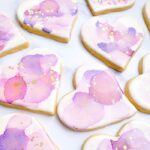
x: 47, y: 12
x: 117, y: 39
x: 83, y: 107
x: 15, y: 88
x: 13, y: 139
x: 34, y: 81
x: 133, y: 139
x: 6, y: 31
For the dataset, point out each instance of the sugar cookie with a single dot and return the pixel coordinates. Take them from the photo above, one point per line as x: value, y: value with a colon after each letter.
x: 11, y: 40
x: 146, y: 13
x: 32, y: 82
x: 138, y: 92
x: 98, y: 7
x: 50, y: 18
x: 133, y: 136
x: 144, y: 65
x: 21, y: 132
x: 113, y: 43
x: 96, y: 102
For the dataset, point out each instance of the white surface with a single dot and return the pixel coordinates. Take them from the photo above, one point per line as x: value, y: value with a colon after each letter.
x: 73, y: 55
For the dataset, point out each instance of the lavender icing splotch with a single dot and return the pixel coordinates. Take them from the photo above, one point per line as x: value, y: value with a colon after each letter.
x: 17, y: 137
x: 119, y: 38
x: 97, y: 90
x: 52, y: 15
x: 133, y: 139
x: 6, y: 31
x: 32, y: 81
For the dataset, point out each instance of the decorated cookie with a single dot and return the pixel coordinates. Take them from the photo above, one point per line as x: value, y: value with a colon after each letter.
x: 138, y: 91
x: 146, y: 13
x: 32, y: 83
x: 98, y: 7
x: 21, y: 132
x: 96, y: 102
x: 113, y: 43
x: 133, y: 136
x: 50, y: 18
x: 10, y: 39
x: 144, y: 65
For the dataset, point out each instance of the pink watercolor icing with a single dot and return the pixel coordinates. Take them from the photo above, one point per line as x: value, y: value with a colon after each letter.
x: 6, y: 31
x: 119, y: 38
x: 52, y: 15
x: 15, y: 136
x: 33, y: 82
x: 88, y: 104
x: 133, y: 139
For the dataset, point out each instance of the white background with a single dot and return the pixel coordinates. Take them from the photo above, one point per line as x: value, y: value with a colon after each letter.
x: 72, y: 56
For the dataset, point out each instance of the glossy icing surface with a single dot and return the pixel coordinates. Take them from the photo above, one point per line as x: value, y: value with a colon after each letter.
x: 54, y: 17
x: 101, y: 5
x: 116, y: 42
x: 97, y: 92
x: 139, y: 89
x: 21, y: 132
x: 9, y: 35
x: 145, y: 64
x: 147, y: 9
x: 134, y: 136
x: 32, y: 83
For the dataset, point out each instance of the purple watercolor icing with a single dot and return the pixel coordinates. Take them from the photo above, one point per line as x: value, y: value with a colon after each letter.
x: 89, y: 74
x: 133, y: 140
x: 107, y: 47
x: 46, y: 30
x: 13, y: 139
x: 131, y: 31
x: 5, y: 34
x: 122, y: 39
x: 48, y: 12
x: 74, y: 11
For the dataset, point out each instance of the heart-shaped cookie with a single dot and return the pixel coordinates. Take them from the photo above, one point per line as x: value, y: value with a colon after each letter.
x: 21, y: 132
x: 146, y: 13
x: 10, y: 39
x: 31, y: 82
x: 96, y: 102
x: 50, y: 18
x: 144, y: 65
x: 133, y: 136
x: 138, y: 92
x: 113, y: 43
x: 98, y: 7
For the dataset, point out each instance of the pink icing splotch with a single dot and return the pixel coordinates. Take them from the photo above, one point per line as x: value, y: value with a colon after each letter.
x: 6, y: 31
x: 111, y: 2
x: 103, y: 93
x: 15, y: 88
x: 83, y: 107
x: 117, y: 39
x: 15, y: 136
x: 133, y: 139
x: 34, y: 81
x: 52, y: 15
x: 88, y: 108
